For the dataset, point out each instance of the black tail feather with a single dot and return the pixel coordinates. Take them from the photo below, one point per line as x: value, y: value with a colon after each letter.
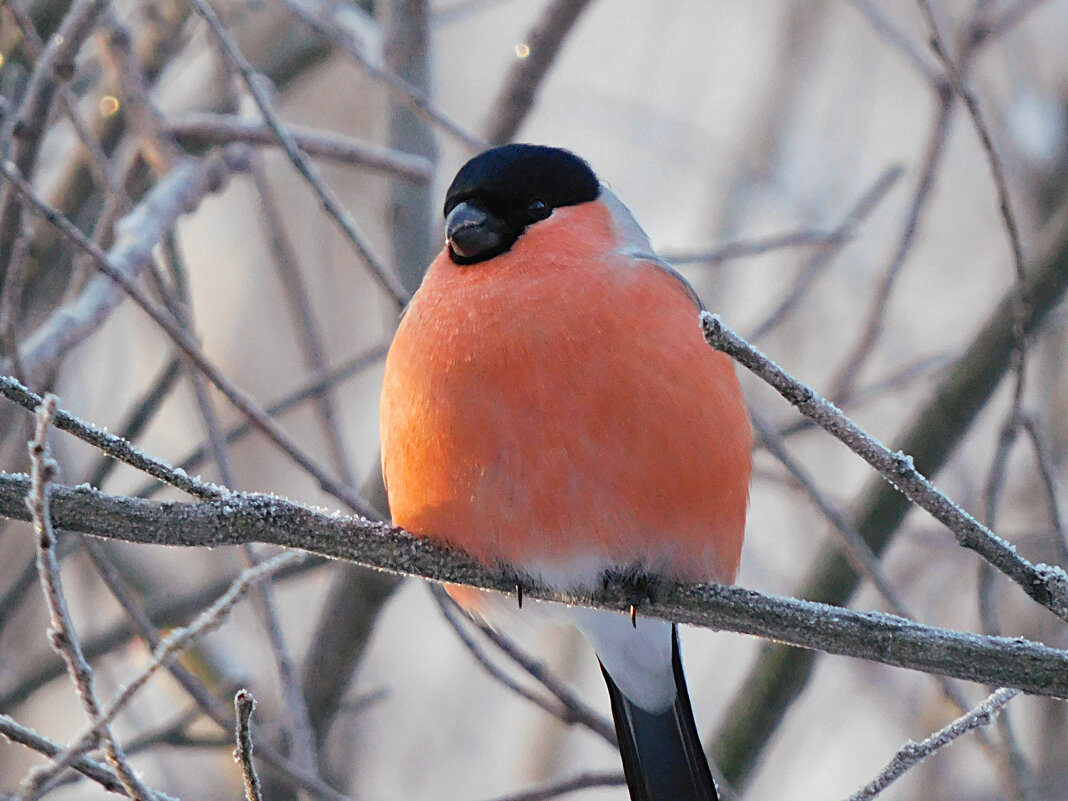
x: 662, y: 755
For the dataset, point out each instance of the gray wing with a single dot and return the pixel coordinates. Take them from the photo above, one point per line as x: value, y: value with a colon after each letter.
x: 636, y: 243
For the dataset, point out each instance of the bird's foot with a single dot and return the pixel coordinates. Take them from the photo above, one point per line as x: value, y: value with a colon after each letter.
x: 637, y: 587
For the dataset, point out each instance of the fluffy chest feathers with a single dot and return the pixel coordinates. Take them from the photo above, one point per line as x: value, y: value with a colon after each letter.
x: 556, y: 408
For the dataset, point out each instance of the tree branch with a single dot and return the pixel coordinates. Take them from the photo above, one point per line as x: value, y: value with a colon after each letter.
x: 1028, y: 666
x: 98, y: 772
x: 780, y: 674
x: 1048, y: 586
x: 353, y: 32
x: 136, y: 235
x: 516, y: 96
x: 61, y: 634
x: 201, y: 129
x: 191, y: 348
x: 174, y: 643
x: 111, y: 445
x: 244, y: 704
x: 329, y: 200
x: 912, y: 753
x: 584, y: 781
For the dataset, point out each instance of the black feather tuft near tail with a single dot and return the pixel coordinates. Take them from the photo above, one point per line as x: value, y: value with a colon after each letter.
x: 662, y: 755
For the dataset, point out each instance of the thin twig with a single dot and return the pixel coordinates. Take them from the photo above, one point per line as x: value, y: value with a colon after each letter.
x: 176, y: 732
x: 570, y: 709
x: 61, y: 634
x: 178, y: 302
x: 142, y: 623
x: 297, y: 722
x: 1046, y: 469
x: 411, y: 211
x: 992, y: 493
x: 757, y: 246
x: 169, y: 611
x: 15, y: 732
x: 19, y: 589
x: 895, y: 380
x: 584, y: 781
x: 912, y: 754
x: 340, y: 640
x: 516, y: 96
x: 858, y: 551
x: 244, y: 704
x: 305, y: 322
x: 141, y: 414
x: 452, y: 617
x: 463, y: 10
x: 890, y: 34
x: 137, y: 234
x: 826, y: 252
x: 846, y: 375
x: 200, y: 129
x: 353, y: 32
x: 541, y: 674
x: 309, y: 391
x: 175, y: 642
x: 1020, y: 309
x: 333, y: 207
x: 1011, y: 760
x: 11, y: 303
x: 114, y: 446
x: 1009, y: 19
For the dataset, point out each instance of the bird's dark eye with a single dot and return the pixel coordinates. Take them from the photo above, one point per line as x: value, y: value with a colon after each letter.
x: 538, y: 210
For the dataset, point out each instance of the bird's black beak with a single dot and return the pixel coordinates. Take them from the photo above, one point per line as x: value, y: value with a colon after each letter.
x: 473, y: 234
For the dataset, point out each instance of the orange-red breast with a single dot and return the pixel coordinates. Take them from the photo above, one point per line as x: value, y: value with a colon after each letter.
x: 549, y: 403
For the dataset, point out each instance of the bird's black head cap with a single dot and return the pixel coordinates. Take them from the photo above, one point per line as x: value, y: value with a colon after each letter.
x: 497, y: 194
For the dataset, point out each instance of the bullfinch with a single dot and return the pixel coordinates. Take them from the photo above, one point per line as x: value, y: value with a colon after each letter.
x: 549, y: 404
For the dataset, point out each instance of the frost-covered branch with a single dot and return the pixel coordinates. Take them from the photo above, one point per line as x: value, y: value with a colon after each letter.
x: 137, y: 234
x: 244, y: 705
x: 174, y: 643
x: 1048, y: 586
x: 61, y: 633
x: 912, y: 754
x: 241, y: 518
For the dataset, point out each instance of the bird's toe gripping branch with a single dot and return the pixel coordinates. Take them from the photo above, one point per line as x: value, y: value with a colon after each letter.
x: 637, y: 586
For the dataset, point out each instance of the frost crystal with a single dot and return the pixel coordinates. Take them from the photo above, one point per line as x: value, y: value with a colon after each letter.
x: 1052, y: 572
